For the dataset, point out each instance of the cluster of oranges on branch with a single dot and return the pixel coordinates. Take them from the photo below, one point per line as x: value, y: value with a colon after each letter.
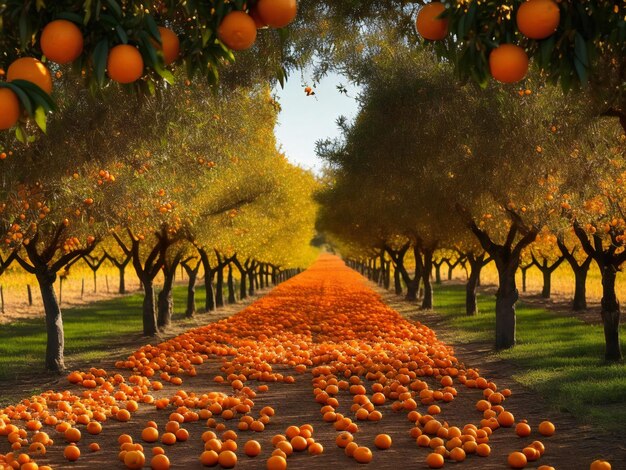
x: 325, y: 326
x: 508, y: 63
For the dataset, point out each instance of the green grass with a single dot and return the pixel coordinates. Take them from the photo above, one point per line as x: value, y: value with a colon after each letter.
x: 89, y: 332
x: 561, y: 357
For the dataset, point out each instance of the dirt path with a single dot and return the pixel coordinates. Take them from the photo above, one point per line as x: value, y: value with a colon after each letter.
x: 318, y: 318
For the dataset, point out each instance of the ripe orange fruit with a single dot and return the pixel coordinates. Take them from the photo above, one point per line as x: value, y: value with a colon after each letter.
x: 276, y: 462
x: 506, y: 419
x: 517, y: 460
x: 61, y: 41
x: 72, y: 435
x: 31, y: 70
x: 209, y: 458
x: 168, y: 438
x: 227, y: 459
x: 546, y: 467
x: 134, y: 459
x: 546, y: 428
x: 316, y: 448
x: 124, y: 64
x: 362, y: 454
x: 434, y: 460
x: 277, y: 13
x: 531, y: 453
x: 428, y: 25
x: 382, y: 441
x: 94, y: 427
x: 538, y: 19
x: 508, y: 63
x: 150, y: 434
x: 94, y: 447
x: 522, y: 430
x: 170, y: 45
x: 600, y: 465
x: 237, y: 31
x: 71, y: 453
x: 160, y: 462
x: 9, y: 109
x: 252, y: 448
x: 458, y: 454
x: 299, y: 443
x: 483, y: 450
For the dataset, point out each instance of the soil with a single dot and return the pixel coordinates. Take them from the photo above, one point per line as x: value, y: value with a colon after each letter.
x: 572, y: 447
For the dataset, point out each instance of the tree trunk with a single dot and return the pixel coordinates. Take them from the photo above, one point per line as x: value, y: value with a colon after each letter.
x: 209, y: 302
x: 54, y: 322
x: 166, y: 299
x: 437, y: 273
x: 397, y: 281
x: 219, y: 287
x: 231, y: 286
x: 191, y: 293
x: 547, y: 283
x: 262, y: 277
x: 122, y: 271
x: 412, y: 286
x: 580, y: 289
x: 149, y: 309
x: 471, y: 303
x: 251, y: 282
x: 427, y: 302
x: 524, y: 270
x: 243, y: 291
x: 95, y: 282
x: 387, y: 276
x: 450, y: 271
x: 610, y: 315
x: 506, y: 297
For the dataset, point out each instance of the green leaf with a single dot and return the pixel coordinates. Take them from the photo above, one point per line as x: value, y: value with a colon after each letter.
x: 121, y: 34
x: 581, y: 71
x: 73, y: 17
x: 165, y: 74
x: 40, y: 118
x: 545, y: 51
x: 20, y: 134
x: 153, y: 29
x: 23, y: 27
x: 87, y: 9
x: 580, y: 49
x: 114, y: 7
x: 100, y: 53
x: 23, y: 97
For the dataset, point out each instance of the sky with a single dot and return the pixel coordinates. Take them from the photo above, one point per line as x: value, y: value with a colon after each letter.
x: 306, y: 119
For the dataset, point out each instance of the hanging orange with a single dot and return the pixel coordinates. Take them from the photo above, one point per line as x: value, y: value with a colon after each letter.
x: 508, y: 63
x: 9, y: 109
x: 237, y: 31
x: 538, y: 19
x: 125, y: 64
x: 277, y: 13
x: 61, y: 41
x: 170, y: 45
x: 428, y: 25
x: 31, y: 70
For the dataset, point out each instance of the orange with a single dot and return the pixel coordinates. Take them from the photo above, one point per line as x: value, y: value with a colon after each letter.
x: 124, y: 64
x: 31, y: 70
x: 531, y: 453
x: 458, y: 454
x: 123, y: 415
x: 382, y: 441
x: 538, y: 19
x: 546, y: 467
x: 506, y: 419
x: 434, y: 460
x: 71, y: 453
x: 546, y: 428
x: 252, y: 448
x: 276, y: 13
x: 209, y: 458
x: 522, y: 430
x: 428, y: 25
x: 134, y: 459
x: 362, y: 454
x: 9, y: 109
x: 170, y: 45
x: 299, y: 443
x: 61, y: 41
x: 600, y: 465
x: 160, y: 462
x: 168, y: 438
x: 508, y: 63
x: 343, y: 439
x: 94, y: 427
x: 276, y: 462
x: 72, y: 435
x: 150, y: 434
x: 517, y: 460
x: 227, y: 459
x: 316, y: 448
x: 483, y: 450
x: 237, y: 31
x: 94, y: 447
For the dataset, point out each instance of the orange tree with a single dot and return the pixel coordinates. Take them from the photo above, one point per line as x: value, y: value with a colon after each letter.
x: 547, y: 256
x: 595, y: 209
x: 130, y: 42
x: 580, y: 263
x: 577, y: 44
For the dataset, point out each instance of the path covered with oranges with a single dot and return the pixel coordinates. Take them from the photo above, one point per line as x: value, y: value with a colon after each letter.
x: 320, y: 373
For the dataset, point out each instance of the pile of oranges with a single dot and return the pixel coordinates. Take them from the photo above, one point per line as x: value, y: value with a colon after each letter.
x: 325, y: 326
